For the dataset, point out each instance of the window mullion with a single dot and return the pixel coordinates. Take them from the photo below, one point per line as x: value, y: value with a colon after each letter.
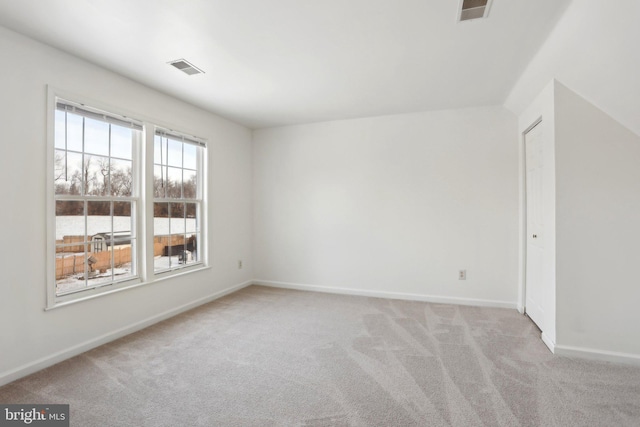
x: 146, y: 222
x: 84, y: 243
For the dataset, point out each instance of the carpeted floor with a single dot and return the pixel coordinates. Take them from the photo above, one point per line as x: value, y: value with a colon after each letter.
x: 274, y: 357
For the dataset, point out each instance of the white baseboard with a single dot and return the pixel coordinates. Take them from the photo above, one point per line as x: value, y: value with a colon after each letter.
x: 390, y: 295
x: 45, y: 362
x: 594, y: 354
x: 548, y: 342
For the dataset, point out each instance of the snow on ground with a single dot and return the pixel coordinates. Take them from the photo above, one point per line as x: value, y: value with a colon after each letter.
x: 74, y: 225
x: 76, y: 282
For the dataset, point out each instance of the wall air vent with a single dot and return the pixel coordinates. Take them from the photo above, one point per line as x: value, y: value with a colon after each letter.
x: 473, y: 9
x: 186, y: 67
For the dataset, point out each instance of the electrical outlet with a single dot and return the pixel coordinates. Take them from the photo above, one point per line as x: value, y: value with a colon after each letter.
x: 239, y: 264
x: 462, y: 275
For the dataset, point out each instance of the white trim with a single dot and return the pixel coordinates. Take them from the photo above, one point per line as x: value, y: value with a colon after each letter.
x: 390, y: 295
x: 54, y: 95
x: 601, y: 355
x: 142, y: 157
x: 548, y: 342
x: 50, y: 219
x: 522, y: 217
x: 125, y: 285
x: 112, y: 109
x: 45, y: 362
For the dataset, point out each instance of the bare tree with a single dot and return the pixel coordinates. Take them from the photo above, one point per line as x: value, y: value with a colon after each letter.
x: 105, y: 170
x: 60, y: 166
x: 121, y: 182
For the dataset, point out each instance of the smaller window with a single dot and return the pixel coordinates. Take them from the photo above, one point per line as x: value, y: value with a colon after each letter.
x: 177, y: 206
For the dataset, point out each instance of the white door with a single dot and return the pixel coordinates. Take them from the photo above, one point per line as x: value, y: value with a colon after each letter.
x: 534, y: 306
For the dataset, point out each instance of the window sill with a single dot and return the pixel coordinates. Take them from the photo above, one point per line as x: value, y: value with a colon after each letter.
x: 136, y: 284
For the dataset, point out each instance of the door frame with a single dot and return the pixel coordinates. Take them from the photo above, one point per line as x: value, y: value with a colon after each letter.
x: 522, y: 297
x: 522, y: 262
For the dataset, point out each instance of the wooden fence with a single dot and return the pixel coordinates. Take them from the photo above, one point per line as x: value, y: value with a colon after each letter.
x: 67, y: 265
x: 74, y: 264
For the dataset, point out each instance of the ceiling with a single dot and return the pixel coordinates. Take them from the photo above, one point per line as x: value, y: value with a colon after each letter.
x: 277, y: 62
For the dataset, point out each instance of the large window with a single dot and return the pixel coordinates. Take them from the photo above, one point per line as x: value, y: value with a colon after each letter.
x: 177, y: 200
x: 100, y: 203
x: 96, y: 198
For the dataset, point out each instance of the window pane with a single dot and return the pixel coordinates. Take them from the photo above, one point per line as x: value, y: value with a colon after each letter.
x: 175, y: 248
x: 124, y: 267
x: 74, y: 132
x: 161, y: 218
x: 60, y: 171
x: 122, y: 219
x: 122, y: 223
x: 159, y: 150
x: 175, y: 153
x: 121, y: 140
x: 124, y: 241
x: 99, y: 225
x: 96, y: 175
x: 190, y: 156
x: 60, y: 127
x: 160, y: 232
x: 159, y: 182
x: 174, y: 183
x: 96, y: 137
x: 161, y: 259
x: 99, y: 268
x: 70, y: 223
x: 67, y: 179
x: 121, y: 178
x: 70, y: 271
x: 190, y: 184
x: 176, y: 218
x: 191, y: 223
x: 191, y: 248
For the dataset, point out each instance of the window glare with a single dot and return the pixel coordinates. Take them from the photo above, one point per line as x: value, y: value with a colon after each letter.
x: 74, y: 132
x: 159, y: 151
x: 174, y: 157
x: 121, y: 142
x: 190, y: 156
x: 59, y: 130
x: 96, y: 137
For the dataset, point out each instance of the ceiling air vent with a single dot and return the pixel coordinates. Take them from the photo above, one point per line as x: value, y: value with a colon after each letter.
x: 186, y: 67
x: 474, y: 9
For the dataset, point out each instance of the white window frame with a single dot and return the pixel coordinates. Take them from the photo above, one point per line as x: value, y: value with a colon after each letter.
x: 200, y: 198
x: 142, y: 158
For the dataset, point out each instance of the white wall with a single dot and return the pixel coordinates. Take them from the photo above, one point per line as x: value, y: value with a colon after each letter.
x: 594, y: 51
x: 598, y: 229
x: 31, y: 337
x: 391, y: 205
x: 542, y: 108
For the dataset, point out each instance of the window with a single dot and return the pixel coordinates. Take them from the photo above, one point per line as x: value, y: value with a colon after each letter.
x: 177, y: 200
x: 99, y: 203
x: 96, y: 199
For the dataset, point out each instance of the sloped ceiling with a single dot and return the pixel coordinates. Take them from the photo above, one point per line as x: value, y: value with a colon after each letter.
x: 278, y: 62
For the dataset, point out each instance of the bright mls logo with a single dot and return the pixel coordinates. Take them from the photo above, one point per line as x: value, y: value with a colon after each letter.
x: 34, y: 415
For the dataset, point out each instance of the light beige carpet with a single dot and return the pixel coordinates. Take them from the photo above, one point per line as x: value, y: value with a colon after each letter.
x: 272, y: 357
